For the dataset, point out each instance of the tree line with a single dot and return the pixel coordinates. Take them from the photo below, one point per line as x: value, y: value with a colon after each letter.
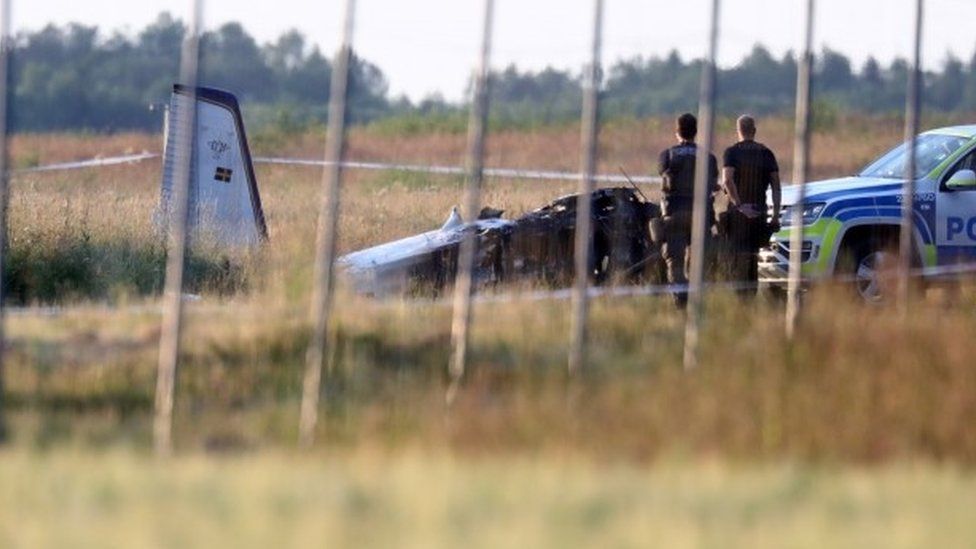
x: 73, y: 77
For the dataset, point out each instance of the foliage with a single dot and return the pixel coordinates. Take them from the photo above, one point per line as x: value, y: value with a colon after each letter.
x: 74, y: 77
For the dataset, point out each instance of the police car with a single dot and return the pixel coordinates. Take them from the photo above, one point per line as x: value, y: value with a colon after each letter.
x: 851, y: 225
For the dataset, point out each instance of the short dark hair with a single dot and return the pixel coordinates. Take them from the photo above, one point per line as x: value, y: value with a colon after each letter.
x: 687, y: 126
x: 746, y: 125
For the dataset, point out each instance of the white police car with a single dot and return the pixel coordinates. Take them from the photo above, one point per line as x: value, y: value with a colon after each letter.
x: 852, y: 224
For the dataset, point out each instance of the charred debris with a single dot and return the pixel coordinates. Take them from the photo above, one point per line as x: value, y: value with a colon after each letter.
x: 534, y: 249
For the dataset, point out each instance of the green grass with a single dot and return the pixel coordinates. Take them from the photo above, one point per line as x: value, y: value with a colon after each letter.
x: 391, y: 180
x: 71, y: 271
x: 413, y: 124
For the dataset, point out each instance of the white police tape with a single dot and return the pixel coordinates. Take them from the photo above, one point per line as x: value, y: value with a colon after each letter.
x: 91, y: 163
x: 505, y: 173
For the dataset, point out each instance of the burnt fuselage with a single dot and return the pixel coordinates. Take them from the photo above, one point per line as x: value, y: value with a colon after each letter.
x: 537, y: 248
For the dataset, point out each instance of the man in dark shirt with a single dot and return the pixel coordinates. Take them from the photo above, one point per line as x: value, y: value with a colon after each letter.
x: 749, y: 169
x: 677, y: 166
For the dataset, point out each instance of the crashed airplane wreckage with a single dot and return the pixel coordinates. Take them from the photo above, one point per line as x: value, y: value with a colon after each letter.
x: 537, y: 248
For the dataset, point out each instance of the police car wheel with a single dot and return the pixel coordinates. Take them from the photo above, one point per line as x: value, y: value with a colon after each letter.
x: 870, y: 277
x: 869, y: 271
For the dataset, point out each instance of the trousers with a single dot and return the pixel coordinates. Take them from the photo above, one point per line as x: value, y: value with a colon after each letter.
x: 745, y: 238
x: 677, y: 258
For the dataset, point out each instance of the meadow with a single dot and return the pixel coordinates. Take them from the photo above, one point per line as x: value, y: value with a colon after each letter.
x: 84, y: 235
x: 858, y: 433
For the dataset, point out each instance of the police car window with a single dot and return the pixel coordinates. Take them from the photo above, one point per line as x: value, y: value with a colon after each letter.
x: 967, y: 162
x: 930, y: 151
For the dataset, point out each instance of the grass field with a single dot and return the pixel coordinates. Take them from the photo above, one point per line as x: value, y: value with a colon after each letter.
x: 859, y: 433
x: 77, y: 236
x: 421, y: 500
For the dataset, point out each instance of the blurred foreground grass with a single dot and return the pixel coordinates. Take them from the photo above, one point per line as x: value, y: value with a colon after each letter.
x: 411, y: 499
x: 858, y: 385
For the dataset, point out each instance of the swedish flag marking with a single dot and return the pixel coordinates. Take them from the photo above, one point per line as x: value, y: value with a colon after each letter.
x: 223, y: 175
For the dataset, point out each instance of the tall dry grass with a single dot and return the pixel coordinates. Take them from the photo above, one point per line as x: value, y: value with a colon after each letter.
x: 858, y: 385
x: 85, y: 234
x: 839, y: 148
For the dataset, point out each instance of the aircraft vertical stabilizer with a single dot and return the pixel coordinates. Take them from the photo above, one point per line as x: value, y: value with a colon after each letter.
x: 225, y: 206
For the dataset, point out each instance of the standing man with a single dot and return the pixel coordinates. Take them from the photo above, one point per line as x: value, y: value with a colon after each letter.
x: 749, y: 169
x: 677, y: 166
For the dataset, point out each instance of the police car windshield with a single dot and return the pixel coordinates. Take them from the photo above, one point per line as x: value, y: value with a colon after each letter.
x: 931, y: 150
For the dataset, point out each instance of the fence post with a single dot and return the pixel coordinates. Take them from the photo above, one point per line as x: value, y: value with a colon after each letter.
x: 912, y: 108
x: 589, y: 136
x: 801, y: 156
x: 325, y: 243
x: 477, y: 122
x: 5, y: 45
x: 706, y: 110
x: 169, y: 340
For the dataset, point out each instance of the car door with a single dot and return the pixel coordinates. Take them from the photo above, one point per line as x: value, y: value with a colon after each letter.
x: 956, y: 216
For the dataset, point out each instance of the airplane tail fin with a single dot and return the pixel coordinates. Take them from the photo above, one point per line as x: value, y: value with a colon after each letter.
x: 225, y: 205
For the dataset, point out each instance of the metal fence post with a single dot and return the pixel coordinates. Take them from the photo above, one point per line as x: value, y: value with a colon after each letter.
x: 801, y: 156
x: 589, y: 130
x: 706, y: 121
x: 912, y: 108
x: 461, y: 322
x: 169, y: 340
x: 325, y: 243
x: 5, y: 45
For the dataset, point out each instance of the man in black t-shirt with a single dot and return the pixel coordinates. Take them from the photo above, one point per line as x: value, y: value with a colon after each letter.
x: 749, y: 169
x: 677, y: 166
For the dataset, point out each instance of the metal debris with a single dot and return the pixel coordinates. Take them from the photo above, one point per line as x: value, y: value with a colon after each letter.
x: 536, y: 248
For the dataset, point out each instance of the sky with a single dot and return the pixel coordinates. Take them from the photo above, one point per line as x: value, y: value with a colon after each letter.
x: 428, y: 46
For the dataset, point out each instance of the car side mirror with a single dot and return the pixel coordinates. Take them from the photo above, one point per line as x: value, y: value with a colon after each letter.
x: 962, y: 180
